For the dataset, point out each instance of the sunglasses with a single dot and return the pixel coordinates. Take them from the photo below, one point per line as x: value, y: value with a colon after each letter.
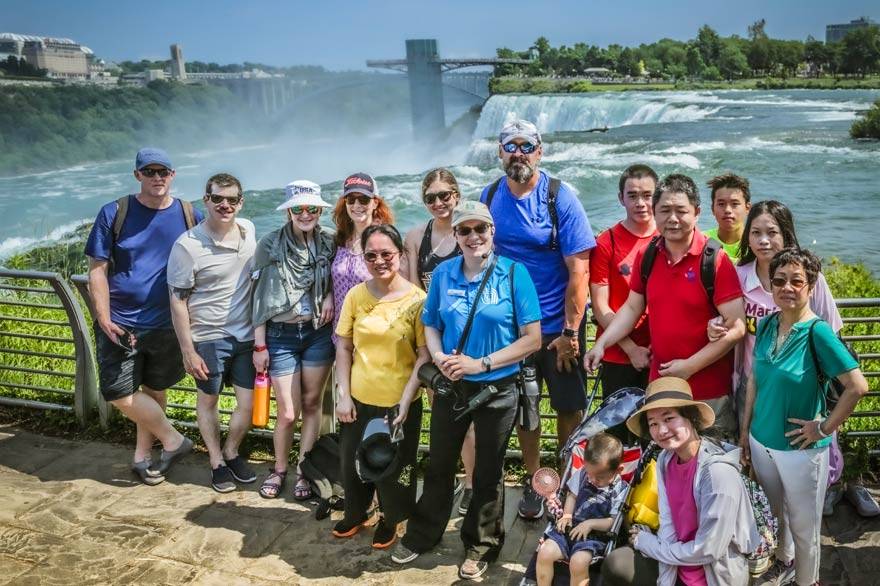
x: 466, y: 230
x: 148, y: 172
x: 386, y: 255
x: 444, y: 196
x: 217, y: 199
x: 780, y: 282
x: 525, y: 148
x: 297, y: 210
x: 353, y: 198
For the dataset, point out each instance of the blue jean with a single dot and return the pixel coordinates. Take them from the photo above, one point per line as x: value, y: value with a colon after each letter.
x: 292, y: 345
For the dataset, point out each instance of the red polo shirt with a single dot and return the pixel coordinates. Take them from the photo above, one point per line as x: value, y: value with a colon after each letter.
x: 678, y: 310
x: 611, y: 264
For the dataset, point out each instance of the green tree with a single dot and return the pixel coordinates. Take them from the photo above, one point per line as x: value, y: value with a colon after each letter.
x: 789, y: 55
x: 694, y: 62
x: 860, y: 51
x: 709, y: 44
x: 731, y: 62
x: 819, y: 55
x: 868, y: 125
x: 761, y: 55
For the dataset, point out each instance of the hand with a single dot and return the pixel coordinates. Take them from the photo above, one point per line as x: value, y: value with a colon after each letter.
x: 113, y: 331
x: 745, y: 456
x: 593, y: 358
x: 327, y: 309
x: 715, y: 329
x: 261, y: 360
x: 634, y: 534
x: 581, y: 530
x: 566, y: 352
x: 459, y: 365
x: 563, y: 522
x: 194, y: 365
x: 677, y: 367
x: 639, y: 357
x: 402, y: 412
x: 554, y: 506
x: 345, y: 410
x: 806, y: 435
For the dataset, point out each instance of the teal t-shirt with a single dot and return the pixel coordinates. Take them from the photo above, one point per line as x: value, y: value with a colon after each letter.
x: 732, y: 250
x: 786, y: 381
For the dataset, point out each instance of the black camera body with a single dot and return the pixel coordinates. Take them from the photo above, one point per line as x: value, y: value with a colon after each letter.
x: 432, y: 377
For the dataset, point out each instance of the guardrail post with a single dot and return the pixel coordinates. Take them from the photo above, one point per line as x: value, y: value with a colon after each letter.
x: 105, y: 410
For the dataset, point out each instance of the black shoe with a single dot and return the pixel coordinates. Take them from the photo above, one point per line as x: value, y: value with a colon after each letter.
x: 384, y: 536
x: 465, y: 501
x: 345, y: 528
x: 240, y: 470
x: 222, y: 480
x: 531, y: 505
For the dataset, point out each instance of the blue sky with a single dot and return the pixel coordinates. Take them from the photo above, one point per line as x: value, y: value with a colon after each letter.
x: 343, y: 34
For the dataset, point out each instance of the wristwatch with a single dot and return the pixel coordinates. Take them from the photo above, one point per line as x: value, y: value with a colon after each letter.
x: 487, y: 364
x: 568, y: 333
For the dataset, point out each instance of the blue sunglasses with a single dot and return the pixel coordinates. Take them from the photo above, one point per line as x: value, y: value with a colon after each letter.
x: 525, y: 148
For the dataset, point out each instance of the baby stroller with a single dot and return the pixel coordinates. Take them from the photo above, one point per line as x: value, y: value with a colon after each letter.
x: 610, y: 418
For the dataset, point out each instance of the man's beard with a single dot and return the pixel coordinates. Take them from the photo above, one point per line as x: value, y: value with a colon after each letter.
x: 519, y: 171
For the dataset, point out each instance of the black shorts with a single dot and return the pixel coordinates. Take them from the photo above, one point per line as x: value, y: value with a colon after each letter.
x: 156, y: 363
x: 617, y: 376
x: 567, y: 389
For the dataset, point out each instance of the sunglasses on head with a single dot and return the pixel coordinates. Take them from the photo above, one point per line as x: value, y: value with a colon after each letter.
x: 444, y: 196
x: 353, y: 198
x: 217, y: 199
x: 466, y: 230
x: 525, y: 148
x: 297, y: 210
x: 780, y: 282
x: 386, y: 255
x: 148, y: 172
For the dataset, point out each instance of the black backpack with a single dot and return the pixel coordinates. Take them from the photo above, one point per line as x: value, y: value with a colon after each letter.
x: 189, y: 218
x: 322, y: 467
x: 707, y: 265
x: 833, y: 388
x: 552, y: 193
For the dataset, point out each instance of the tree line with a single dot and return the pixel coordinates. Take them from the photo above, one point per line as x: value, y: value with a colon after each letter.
x: 707, y: 56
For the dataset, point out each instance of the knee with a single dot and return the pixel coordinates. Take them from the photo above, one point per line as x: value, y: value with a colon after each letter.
x: 549, y: 552
x: 286, y: 417
x: 206, y: 401
x: 311, y: 403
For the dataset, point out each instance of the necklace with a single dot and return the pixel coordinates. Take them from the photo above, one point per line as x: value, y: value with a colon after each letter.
x: 440, y: 244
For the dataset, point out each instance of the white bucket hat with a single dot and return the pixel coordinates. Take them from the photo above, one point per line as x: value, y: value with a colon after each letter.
x: 303, y: 193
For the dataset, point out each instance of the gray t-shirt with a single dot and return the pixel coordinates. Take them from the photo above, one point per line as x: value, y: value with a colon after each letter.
x: 220, y: 279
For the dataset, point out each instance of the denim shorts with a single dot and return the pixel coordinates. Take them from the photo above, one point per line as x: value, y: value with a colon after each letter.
x: 292, y: 346
x: 229, y: 362
x: 155, y: 362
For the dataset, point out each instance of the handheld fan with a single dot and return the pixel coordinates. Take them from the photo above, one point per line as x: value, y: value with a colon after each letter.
x: 545, y: 481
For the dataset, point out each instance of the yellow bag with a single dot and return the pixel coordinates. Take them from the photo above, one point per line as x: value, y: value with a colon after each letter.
x: 643, y: 507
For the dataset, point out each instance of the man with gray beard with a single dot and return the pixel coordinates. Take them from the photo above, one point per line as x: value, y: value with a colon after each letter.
x: 540, y: 223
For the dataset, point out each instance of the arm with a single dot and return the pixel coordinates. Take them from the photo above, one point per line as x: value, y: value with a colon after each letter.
x: 455, y: 366
x: 734, y: 320
x: 261, y: 358
x: 99, y: 291
x: 623, y: 323
x: 412, y: 385
x: 639, y: 356
x: 192, y: 362
x: 567, y: 511
x: 576, y: 293
x: 855, y: 387
x: 748, y: 410
x: 409, y: 268
x: 587, y: 526
x: 345, y: 409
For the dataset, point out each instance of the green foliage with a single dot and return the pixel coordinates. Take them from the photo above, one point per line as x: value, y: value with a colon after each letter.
x: 860, y: 51
x: 868, y: 126
x: 732, y: 64
x: 20, y: 68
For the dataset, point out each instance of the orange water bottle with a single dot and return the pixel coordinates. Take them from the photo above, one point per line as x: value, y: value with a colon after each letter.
x: 260, y: 417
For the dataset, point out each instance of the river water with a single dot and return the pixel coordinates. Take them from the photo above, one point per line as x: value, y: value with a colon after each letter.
x: 792, y: 145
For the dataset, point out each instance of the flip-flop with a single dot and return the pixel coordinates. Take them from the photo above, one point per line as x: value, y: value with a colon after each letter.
x: 302, y: 491
x: 270, y: 489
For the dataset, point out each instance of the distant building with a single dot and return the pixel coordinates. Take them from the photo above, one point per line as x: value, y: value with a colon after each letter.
x: 62, y: 58
x: 834, y: 33
x: 178, y: 65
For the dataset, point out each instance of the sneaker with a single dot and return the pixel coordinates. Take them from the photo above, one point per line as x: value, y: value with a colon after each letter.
x: 531, y: 505
x: 472, y: 569
x: 465, y: 501
x: 240, y: 470
x: 384, y: 536
x: 779, y: 574
x: 167, y: 458
x: 862, y: 500
x: 144, y: 471
x: 528, y: 582
x: 222, y: 479
x: 402, y: 554
x: 832, y: 497
x: 345, y: 528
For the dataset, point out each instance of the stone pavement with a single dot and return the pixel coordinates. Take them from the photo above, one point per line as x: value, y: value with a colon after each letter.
x: 72, y: 513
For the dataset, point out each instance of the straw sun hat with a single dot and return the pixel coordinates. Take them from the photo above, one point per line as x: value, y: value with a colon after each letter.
x: 669, y: 391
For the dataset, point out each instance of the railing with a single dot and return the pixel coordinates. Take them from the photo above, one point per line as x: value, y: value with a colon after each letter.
x: 41, y: 320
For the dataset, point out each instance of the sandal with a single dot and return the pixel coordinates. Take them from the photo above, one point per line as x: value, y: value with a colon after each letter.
x: 303, y: 490
x: 271, y: 487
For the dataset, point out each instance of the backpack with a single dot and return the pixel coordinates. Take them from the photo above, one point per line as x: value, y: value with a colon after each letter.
x: 707, y: 265
x: 322, y: 467
x: 189, y: 218
x: 833, y: 388
x: 552, y: 193
x: 766, y: 524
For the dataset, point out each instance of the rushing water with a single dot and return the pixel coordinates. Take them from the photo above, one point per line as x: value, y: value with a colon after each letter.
x: 792, y: 145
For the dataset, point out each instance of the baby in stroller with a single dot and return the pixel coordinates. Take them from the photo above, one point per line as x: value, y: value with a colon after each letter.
x: 594, y: 499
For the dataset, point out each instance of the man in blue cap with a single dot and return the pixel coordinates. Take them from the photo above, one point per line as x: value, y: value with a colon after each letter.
x: 128, y: 251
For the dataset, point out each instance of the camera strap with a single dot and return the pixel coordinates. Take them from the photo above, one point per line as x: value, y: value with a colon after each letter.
x: 470, y: 320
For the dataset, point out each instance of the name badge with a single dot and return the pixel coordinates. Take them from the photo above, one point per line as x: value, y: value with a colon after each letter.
x: 456, y: 292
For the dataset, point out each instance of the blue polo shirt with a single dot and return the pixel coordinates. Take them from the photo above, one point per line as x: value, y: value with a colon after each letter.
x: 449, y: 302
x: 522, y: 233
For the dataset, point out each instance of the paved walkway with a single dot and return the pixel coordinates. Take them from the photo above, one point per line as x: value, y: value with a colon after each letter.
x: 72, y: 513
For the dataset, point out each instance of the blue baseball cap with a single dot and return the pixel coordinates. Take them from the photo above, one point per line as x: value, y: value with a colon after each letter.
x: 152, y: 156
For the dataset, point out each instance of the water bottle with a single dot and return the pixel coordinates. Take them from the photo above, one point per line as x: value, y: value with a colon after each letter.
x: 530, y: 399
x: 260, y: 417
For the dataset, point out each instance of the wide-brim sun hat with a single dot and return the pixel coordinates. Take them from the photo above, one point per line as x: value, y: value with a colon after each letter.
x: 302, y: 193
x: 669, y: 392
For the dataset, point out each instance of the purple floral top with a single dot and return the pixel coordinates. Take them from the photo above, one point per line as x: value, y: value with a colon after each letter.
x: 348, y: 269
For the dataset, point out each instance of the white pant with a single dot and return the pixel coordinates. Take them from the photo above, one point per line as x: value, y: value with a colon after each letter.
x: 795, y: 483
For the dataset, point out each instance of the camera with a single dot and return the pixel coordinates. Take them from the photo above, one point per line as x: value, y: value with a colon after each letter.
x: 431, y: 376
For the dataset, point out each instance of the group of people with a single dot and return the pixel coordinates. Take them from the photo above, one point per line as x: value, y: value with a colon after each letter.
x: 482, y: 293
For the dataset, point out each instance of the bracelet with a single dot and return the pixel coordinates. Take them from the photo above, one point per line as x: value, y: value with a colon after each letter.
x: 260, y: 348
x: 822, y: 434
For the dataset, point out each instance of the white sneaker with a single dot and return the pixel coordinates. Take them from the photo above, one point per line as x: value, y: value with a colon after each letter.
x: 779, y: 574
x: 862, y: 500
x: 832, y: 497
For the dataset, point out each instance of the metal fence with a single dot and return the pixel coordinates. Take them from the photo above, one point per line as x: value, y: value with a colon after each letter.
x: 47, y: 357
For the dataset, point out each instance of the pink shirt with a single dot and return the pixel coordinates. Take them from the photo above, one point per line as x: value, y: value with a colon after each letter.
x: 348, y: 269
x: 759, y: 303
x: 679, y: 483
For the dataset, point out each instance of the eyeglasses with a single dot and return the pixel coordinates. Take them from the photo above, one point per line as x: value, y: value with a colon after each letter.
x: 780, y: 282
x: 353, y: 198
x: 444, y: 196
x: 525, y: 148
x: 148, y: 172
x: 217, y: 199
x: 466, y: 230
x: 297, y: 210
x: 386, y: 255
